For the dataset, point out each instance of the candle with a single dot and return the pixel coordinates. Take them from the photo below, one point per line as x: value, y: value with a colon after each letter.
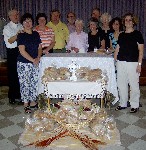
x: 49, y: 104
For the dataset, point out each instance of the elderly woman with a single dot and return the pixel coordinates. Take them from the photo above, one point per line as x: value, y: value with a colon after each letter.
x: 46, y: 33
x: 116, y: 27
x: 78, y: 40
x: 129, y: 54
x: 95, y: 36
x: 29, y: 44
x: 105, y: 19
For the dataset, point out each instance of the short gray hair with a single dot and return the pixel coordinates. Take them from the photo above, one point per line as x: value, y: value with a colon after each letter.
x: 106, y: 15
x: 79, y: 21
x: 11, y: 11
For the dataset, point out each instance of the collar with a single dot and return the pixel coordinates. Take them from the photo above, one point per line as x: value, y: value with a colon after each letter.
x: 57, y: 24
x: 13, y: 24
x: 38, y: 28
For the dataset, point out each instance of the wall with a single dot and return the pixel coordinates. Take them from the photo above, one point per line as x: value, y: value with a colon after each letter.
x: 82, y: 8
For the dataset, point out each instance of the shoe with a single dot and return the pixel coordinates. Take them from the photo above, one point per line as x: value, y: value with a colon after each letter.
x: 27, y: 109
x: 120, y: 108
x: 128, y: 104
x: 35, y: 106
x: 140, y: 105
x: 12, y: 101
x: 134, y: 110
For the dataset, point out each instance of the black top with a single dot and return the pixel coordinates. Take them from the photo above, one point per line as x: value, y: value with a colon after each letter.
x: 107, y: 39
x: 31, y: 43
x: 128, y: 50
x: 95, y: 40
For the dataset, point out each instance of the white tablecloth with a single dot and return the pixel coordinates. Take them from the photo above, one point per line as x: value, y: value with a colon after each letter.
x: 77, y: 89
x: 92, y: 60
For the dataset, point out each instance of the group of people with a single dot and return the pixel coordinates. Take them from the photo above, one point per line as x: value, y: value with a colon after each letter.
x: 26, y: 44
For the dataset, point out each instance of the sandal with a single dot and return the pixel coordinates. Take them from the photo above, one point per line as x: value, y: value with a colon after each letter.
x: 120, y: 108
x: 134, y: 110
x: 27, y: 110
x: 35, y: 106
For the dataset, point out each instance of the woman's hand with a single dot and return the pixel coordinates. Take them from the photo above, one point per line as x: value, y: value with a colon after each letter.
x: 75, y: 49
x: 46, y: 51
x: 36, y: 61
x: 138, y: 69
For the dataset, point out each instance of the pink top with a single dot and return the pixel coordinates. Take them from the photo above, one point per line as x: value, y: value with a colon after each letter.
x: 46, y: 36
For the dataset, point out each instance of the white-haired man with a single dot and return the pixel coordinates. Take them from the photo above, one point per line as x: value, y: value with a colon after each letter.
x: 10, y: 33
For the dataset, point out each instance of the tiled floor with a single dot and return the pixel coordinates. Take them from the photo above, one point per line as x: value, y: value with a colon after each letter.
x: 132, y: 127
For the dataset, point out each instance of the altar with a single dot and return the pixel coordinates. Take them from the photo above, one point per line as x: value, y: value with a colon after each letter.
x: 83, y: 123
x: 91, y: 60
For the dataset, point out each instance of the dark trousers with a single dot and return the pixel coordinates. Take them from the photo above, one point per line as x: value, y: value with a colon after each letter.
x: 13, y: 81
x: 63, y: 50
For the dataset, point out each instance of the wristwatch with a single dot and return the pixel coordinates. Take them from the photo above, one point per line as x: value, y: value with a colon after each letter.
x: 139, y: 64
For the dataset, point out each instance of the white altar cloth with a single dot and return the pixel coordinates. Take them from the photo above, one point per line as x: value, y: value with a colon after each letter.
x: 92, y: 60
x: 85, y: 89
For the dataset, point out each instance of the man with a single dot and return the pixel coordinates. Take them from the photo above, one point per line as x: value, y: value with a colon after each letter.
x: 10, y: 33
x: 96, y: 14
x: 71, y: 17
x: 61, y: 32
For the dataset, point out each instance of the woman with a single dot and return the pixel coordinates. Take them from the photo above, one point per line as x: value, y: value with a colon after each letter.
x: 29, y: 44
x: 105, y: 19
x: 116, y: 27
x: 46, y: 34
x: 129, y: 54
x: 78, y: 40
x: 95, y: 36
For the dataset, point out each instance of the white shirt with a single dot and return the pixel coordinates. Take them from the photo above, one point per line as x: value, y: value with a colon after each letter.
x: 10, y: 30
x: 79, y: 41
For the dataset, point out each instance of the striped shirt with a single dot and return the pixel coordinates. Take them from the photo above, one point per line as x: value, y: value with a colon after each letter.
x: 45, y: 35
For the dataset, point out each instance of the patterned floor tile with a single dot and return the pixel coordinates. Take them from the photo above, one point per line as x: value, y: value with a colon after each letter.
x: 1, y: 137
x: 115, y: 113
x: 120, y: 124
x: 140, y: 113
x: 144, y: 117
x: 11, y: 131
x: 128, y: 118
x: 132, y: 127
x: 5, y: 107
x: 5, y: 123
x: 2, y: 103
x: 14, y: 139
x: 143, y: 108
x: 144, y: 138
x: 141, y: 123
x: 134, y: 131
x: 10, y: 112
x: 126, y: 139
x: 17, y: 118
x: 22, y: 125
x: 113, y: 148
x: 138, y: 145
x: 1, y: 117
x: 5, y: 144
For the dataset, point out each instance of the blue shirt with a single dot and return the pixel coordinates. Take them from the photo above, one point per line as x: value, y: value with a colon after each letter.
x: 113, y: 40
x: 31, y: 43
